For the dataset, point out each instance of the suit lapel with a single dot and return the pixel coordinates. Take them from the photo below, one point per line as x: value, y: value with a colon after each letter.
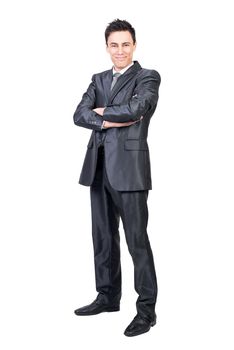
x: 122, y: 81
x: 107, y: 79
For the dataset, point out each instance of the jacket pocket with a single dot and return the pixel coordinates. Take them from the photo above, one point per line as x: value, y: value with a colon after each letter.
x: 136, y: 145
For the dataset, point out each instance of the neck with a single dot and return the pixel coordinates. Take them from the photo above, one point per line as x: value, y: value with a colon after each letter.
x: 117, y: 69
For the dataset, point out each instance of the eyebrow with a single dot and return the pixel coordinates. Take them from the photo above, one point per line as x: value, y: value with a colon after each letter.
x: 126, y: 42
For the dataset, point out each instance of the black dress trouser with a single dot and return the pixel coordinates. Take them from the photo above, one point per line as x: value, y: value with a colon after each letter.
x: 108, y: 206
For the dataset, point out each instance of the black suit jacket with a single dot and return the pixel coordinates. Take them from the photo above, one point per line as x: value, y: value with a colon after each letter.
x: 127, y: 157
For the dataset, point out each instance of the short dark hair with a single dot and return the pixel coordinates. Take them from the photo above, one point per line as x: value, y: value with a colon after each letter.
x: 118, y: 26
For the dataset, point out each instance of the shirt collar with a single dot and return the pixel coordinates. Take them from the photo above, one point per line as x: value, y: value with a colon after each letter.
x: 122, y: 71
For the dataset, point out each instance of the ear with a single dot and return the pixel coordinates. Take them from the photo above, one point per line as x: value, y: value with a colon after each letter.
x: 134, y: 46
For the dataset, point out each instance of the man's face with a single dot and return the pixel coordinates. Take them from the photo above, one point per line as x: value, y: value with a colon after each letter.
x: 120, y: 47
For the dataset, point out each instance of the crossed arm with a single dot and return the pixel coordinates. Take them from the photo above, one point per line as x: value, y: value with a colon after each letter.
x: 146, y: 96
x: 91, y: 118
x: 106, y: 124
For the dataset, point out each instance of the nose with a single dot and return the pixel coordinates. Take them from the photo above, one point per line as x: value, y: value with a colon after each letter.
x: 120, y: 50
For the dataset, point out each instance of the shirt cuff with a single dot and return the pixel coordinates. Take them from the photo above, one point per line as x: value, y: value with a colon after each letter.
x: 103, y: 123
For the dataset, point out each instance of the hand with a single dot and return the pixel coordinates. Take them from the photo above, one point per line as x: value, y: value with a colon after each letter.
x: 118, y: 125
x: 99, y: 110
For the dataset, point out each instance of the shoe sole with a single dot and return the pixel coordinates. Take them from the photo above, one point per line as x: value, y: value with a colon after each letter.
x: 109, y: 309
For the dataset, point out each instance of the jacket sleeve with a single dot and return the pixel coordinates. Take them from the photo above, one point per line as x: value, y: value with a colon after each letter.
x: 84, y: 115
x: 145, y: 97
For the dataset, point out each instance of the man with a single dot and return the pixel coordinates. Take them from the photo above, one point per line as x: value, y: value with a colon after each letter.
x: 118, y: 106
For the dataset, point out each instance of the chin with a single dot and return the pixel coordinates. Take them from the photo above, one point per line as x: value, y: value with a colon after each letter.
x: 121, y: 64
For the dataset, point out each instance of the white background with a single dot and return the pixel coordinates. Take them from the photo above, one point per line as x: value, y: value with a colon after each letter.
x: 49, y: 51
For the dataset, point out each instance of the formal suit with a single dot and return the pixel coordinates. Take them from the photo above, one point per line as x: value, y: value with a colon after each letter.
x: 117, y: 169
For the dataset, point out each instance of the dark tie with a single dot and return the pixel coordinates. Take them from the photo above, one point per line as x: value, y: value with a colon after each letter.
x: 115, y: 78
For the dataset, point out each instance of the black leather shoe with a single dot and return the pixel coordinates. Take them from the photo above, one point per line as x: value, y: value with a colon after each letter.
x: 96, y: 308
x: 139, y: 326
